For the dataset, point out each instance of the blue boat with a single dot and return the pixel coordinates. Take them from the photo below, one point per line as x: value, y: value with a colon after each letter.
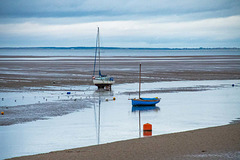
x: 145, y: 101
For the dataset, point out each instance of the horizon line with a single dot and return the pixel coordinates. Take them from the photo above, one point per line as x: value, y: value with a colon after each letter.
x: 150, y: 48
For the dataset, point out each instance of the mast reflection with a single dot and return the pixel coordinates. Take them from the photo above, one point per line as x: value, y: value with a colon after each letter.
x: 97, y: 115
x: 140, y: 109
x: 99, y: 96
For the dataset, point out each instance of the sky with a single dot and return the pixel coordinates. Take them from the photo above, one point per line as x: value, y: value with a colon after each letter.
x: 122, y: 23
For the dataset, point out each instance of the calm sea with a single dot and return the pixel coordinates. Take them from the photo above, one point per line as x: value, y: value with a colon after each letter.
x: 116, y: 52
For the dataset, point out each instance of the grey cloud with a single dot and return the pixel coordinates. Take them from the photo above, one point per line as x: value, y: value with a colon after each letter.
x: 77, y: 8
x: 45, y: 14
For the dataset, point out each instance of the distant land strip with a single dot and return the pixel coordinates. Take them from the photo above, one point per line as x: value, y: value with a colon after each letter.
x: 200, y: 48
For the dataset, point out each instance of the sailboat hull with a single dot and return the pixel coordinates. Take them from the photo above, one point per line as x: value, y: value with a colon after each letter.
x: 103, y: 82
x: 145, y: 101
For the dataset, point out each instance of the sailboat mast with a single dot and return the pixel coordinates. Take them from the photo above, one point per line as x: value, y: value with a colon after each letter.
x: 95, y: 59
x: 139, y: 98
x: 99, y: 51
x: 139, y: 79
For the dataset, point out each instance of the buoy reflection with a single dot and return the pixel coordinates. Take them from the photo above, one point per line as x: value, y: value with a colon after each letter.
x: 140, y: 109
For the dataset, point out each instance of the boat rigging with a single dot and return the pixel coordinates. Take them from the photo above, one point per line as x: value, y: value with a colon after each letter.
x: 101, y: 81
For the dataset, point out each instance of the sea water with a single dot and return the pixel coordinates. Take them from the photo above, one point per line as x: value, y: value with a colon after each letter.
x: 107, y: 120
x: 115, y: 52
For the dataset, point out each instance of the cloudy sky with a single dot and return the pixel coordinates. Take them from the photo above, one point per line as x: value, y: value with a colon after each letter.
x: 123, y: 23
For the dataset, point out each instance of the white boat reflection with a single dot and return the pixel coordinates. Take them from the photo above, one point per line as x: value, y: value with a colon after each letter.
x: 97, y: 116
x: 99, y: 97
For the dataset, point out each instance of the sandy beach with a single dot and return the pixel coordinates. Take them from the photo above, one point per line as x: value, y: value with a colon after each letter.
x: 208, y: 144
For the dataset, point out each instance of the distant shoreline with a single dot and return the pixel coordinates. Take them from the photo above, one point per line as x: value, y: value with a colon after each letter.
x: 131, y: 48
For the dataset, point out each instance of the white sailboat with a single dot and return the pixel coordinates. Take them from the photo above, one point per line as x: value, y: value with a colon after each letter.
x: 101, y: 81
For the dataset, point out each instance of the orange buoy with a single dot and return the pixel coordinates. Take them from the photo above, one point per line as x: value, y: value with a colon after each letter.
x: 2, y: 113
x: 147, y: 129
x: 114, y: 98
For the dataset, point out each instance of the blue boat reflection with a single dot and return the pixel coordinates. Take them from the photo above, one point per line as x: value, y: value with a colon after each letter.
x: 145, y: 108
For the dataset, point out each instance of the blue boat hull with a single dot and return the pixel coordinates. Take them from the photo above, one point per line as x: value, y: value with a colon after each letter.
x: 145, y: 101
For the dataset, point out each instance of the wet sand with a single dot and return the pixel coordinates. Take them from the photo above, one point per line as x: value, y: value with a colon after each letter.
x: 32, y: 71
x: 41, y: 111
x: 209, y: 144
